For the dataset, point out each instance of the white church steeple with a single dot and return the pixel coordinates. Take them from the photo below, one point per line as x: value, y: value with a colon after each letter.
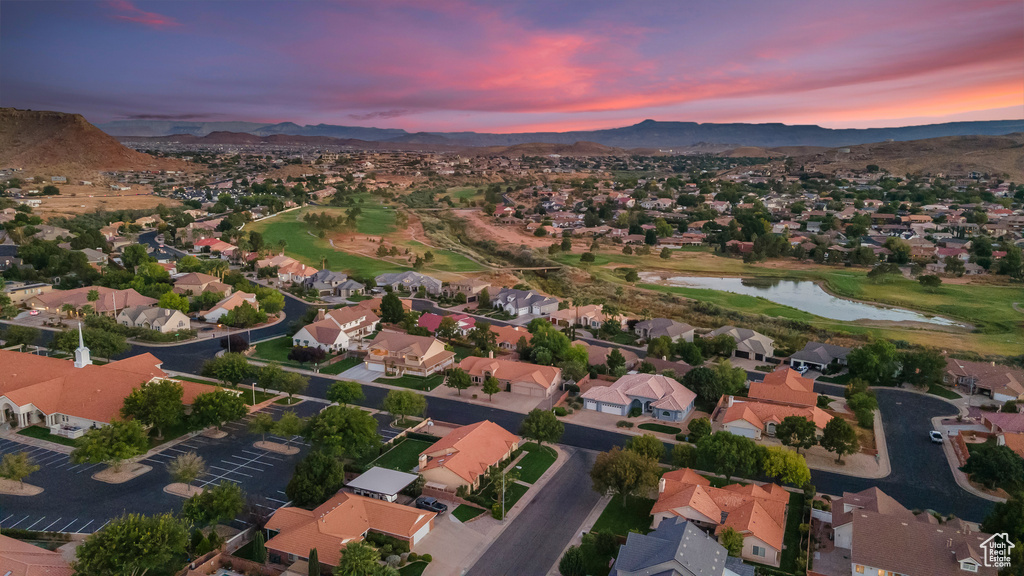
x: 81, y: 353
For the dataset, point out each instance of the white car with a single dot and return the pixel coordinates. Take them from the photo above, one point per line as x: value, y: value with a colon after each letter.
x: 803, y: 369
x: 935, y: 436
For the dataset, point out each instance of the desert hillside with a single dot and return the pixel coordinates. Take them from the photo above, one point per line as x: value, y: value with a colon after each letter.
x: 543, y: 149
x: 68, y: 145
x: 998, y: 155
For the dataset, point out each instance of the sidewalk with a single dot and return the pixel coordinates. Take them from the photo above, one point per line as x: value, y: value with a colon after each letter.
x: 954, y: 464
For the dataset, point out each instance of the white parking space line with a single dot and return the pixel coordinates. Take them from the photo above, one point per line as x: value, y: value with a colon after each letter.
x: 265, y: 455
x: 101, y: 526
x: 4, y: 521
x: 18, y: 522
x: 51, y: 524
x: 229, y: 472
x: 64, y: 529
x: 276, y: 500
x: 36, y: 522
x: 82, y: 529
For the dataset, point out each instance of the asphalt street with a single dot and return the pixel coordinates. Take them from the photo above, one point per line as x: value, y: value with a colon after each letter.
x: 533, y: 541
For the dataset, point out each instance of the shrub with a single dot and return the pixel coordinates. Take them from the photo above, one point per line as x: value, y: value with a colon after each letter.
x: 865, y: 418
x: 560, y: 411
x: 427, y: 558
x: 635, y: 412
x: 413, y: 556
x: 680, y: 437
x: 573, y: 389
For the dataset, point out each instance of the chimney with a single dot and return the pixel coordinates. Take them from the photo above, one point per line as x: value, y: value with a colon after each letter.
x: 490, y: 353
x: 661, y: 485
x: 423, y: 461
x: 320, y: 314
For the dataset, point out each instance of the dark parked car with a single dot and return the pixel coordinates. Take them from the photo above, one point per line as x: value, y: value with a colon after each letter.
x: 428, y: 503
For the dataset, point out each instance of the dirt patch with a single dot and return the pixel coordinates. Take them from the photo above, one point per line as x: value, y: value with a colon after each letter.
x: 486, y: 228
x: 12, y: 488
x: 215, y: 433
x: 276, y: 448
x: 127, y: 472
x: 183, y: 490
x: 77, y: 199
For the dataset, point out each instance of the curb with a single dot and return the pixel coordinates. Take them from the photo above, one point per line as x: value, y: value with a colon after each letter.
x: 958, y: 475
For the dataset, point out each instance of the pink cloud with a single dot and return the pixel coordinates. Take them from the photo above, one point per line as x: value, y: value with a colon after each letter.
x: 131, y: 13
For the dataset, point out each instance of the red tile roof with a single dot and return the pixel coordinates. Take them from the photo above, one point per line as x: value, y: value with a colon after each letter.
x: 469, y: 450
x: 785, y: 386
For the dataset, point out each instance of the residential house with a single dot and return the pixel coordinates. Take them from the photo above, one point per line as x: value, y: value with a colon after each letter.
x: 325, y: 282
x: 660, y: 396
x: 19, y: 292
x: 398, y: 353
x: 677, y: 548
x: 277, y: 261
x: 658, y: 327
x: 870, y: 531
x: 591, y: 316
x: 465, y: 454
x: 373, y: 305
x: 229, y: 303
x: 784, y: 386
x: 296, y: 272
x: 998, y: 382
x: 337, y: 330
x: 522, y: 302
x: 515, y: 377
x: 109, y: 303
x: 758, y: 513
x: 195, y: 283
x: 69, y: 398
x: 597, y: 354
x: 19, y: 558
x: 471, y: 287
x: 51, y: 233
x: 1008, y: 428
x: 343, y: 519
x: 151, y: 318
x: 95, y: 257
x: 508, y: 336
x: 749, y: 344
x: 753, y: 419
x: 409, y: 282
x: 215, y: 246
x: 431, y: 321
x: 349, y: 288
x: 818, y: 356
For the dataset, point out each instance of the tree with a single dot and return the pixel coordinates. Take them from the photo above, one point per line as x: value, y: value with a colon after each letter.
x: 993, y: 465
x: 112, y: 444
x: 217, y: 408
x: 358, y: 559
x: 875, y: 363
x: 797, y: 432
x: 786, y: 466
x: 542, y: 426
x: 289, y: 425
x: 271, y: 301
x: 615, y: 360
x: 304, y: 354
x: 705, y: 383
x: 220, y: 503
x: 954, y: 266
x: 683, y: 455
x: 1008, y: 517
x: 923, y: 367
x: 262, y: 423
x: 647, y: 445
x: 157, y: 404
x: 172, y: 301
x: 231, y: 368
x: 17, y: 466
x: 317, y: 477
x: 624, y: 472
x: 21, y: 335
x: 929, y: 281
x: 699, y: 428
x: 732, y: 541
x: 133, y: 255
x: 243, y: 316
x: 404, y: 403
x: 292, y: 383
x: 313, y: 563
x: 391, y: 310
x: 185, y: 468
x: 690, y: 353
x: 727, y: 454
x: 259, y: 547
x: 268, y: 376
x: 484, y: 299
x: 134, y: 545
x: 1009, y: 407
x: 840, y: 438
x: 458, y: 379
x: 573, y: 562
x: 660, y: 347
x: 447, y: 329
x: 344, y: 431
x: 491, y: 387
x: 666, y: 253
x: 344, y: 392
x: 483, y: 337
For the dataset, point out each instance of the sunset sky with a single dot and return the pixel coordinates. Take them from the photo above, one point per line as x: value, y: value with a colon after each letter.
x: 518, y: 66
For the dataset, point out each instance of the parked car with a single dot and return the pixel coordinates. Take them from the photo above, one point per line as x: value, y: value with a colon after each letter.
x: 428, y: 503
x: 935, y: 436
x: 803, y: 369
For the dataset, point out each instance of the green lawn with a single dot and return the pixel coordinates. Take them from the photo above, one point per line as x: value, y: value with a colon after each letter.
x: 414, y: 569
x: 462, y: 352
x: 404, y: 456
x: 843, y: 379
x: 376, y: 220
x: 626, y: 338
x: 275, y: 350
x: 659, y: 428
x: 942, y: 391
x: 466, y: 513
x: 537, y: 460
x: 620, y: 520
x: 341, y: 365
x: 245, y: 392
x: 169, y: 433
x: 40, y: 433
x: 791, y: 541
x: 415, y: 382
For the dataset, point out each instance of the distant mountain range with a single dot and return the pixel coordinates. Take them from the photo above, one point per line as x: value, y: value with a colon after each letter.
x: 646, y: 134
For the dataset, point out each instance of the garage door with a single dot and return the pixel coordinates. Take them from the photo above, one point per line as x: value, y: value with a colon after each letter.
x: 742, y: 431
x: 527, y: 389
x: 611, y: 409
x: 741, y: 354
x: 590, y: 405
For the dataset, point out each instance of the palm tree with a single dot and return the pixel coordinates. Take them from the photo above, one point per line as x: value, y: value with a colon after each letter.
x: 68, y: 308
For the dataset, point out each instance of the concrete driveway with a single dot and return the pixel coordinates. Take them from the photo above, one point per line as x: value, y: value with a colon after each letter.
x: 360, y: 374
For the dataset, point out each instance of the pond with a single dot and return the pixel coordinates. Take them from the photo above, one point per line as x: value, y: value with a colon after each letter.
x: 807, y: 296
